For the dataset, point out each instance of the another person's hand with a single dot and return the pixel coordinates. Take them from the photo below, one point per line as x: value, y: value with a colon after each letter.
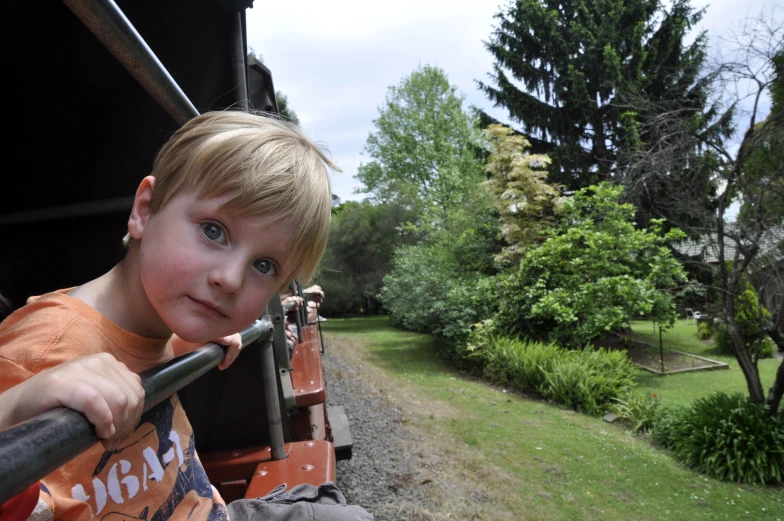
x: 291, y: 335
x: 99, y: 386
x: 316, y: 292
x: 312, y: 313
x: 290, y: 303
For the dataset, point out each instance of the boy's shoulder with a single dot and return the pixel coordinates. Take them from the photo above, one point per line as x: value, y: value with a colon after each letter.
x: 55, y: 328
x: 50, y: 329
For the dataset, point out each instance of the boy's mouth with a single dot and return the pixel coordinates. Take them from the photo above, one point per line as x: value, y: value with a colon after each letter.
x: 209, y: 305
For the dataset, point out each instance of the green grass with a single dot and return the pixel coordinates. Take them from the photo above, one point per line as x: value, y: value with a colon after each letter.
x: 564, y: 466
x: 686, y: 387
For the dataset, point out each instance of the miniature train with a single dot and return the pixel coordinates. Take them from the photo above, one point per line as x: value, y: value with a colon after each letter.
x: 98, y: 88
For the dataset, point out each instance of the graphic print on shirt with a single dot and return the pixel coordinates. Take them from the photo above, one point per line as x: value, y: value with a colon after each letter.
x: 131, y: 482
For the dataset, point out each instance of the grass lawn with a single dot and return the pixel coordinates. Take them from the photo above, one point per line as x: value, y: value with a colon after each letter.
x: 686, y: 387
x: 546, y: 462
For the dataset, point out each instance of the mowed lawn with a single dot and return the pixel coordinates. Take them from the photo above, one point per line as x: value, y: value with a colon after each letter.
x: 557, y: 464
x: 686, y: 387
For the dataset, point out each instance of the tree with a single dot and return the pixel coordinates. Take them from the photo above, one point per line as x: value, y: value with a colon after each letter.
x: 362, y: 240
x: 285, y: 110
x: 574, y: 58
x: 526, y: 204
x: 443, y: 284
x: 594, y: 273
x: 750, y: 171
x: 424, y: 139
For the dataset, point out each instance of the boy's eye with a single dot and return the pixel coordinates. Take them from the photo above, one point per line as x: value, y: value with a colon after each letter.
x: 266, y: 267
x: 213, y: 232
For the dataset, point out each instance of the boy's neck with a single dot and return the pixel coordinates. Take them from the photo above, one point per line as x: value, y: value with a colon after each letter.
x: 120, y: 297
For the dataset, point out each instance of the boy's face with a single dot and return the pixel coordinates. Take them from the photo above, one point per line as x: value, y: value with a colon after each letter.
x: 207, y: 272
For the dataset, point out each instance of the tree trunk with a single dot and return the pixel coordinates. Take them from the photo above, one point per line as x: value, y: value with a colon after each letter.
x: 777, y: 389
x: 750, y: 371
x: 742, y: 354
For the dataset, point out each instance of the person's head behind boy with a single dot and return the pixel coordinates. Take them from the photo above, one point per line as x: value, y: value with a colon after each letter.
x: 236, y: 207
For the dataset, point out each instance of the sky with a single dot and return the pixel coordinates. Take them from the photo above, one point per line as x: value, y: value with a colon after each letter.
x: 335, y: 60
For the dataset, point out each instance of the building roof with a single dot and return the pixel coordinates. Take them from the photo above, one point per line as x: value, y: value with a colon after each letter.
x: 707, y: 246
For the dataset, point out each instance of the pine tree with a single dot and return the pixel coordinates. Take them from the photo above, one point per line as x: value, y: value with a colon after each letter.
x: 576, y: 60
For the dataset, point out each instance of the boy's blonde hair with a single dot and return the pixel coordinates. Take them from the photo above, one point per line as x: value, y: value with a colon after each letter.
x: 272, y: 167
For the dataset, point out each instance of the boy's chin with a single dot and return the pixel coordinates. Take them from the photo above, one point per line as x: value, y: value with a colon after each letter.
x: 200, y: 338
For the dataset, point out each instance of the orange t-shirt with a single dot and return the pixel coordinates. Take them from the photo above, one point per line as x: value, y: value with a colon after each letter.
x: 155, y: 474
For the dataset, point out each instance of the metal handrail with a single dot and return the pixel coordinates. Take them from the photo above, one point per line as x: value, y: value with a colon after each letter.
x: 59, y: 435
x: 108, y: 23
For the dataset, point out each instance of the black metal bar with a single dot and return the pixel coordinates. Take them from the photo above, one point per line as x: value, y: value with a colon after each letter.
x: 293, y: 288
x: 237, y: 60
x: 68, y: 211
x: 318, y: 321
x: 108, y: 23
x: 270, y: 381
x: 275, y: 310
x: 31, y: 450
x: 304, y: 305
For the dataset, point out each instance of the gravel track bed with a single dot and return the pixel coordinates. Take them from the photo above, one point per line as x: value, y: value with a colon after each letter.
x: 379, y: 476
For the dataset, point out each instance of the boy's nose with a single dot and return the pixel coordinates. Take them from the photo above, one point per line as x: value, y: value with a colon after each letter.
x: 227, y: 277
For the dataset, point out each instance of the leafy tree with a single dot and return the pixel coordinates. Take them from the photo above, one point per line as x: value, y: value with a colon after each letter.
x: 285, y: 110
x: 594, y: 274
x: 749, y: 170
x: 424, y: 139
x: 517, y: 181
x: 444, y: 284
x: 574, y: 57
x: 362, y: 240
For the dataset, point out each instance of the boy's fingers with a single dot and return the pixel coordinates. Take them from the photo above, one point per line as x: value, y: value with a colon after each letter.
x: 88, y: 400
x: 123, y: 392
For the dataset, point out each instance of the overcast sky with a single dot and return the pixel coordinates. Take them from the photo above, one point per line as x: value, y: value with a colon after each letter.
x: 335, y: 60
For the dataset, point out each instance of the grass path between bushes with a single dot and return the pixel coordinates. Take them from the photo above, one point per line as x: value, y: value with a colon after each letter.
x: 688, y: 386
x: 523, y: 459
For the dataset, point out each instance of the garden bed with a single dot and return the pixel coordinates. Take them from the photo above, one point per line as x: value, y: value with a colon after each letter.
x: 648, y: 357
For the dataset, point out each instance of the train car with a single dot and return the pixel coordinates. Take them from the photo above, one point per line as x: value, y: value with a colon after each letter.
x: 97, y: 87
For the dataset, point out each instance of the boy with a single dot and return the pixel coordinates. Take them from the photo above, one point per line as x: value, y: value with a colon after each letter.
x: 236, y: 207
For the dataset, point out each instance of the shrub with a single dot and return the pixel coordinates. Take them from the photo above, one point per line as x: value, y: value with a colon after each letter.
x: 638, y: 409
x: 724, y: 344
x: 667, y: 419
x: 747, y: 318
x: 518, y: 363
x: 594, y: 273
x: 589, y: 380
x: 768, y: 348
x: 731, y: 438
x: 585, y: 380
x: 704, y: 330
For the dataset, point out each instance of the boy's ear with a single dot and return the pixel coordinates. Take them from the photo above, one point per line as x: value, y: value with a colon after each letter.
x: 141, y: 211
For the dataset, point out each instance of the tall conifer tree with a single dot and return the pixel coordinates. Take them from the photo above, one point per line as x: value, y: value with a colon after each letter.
x: 562, y: 67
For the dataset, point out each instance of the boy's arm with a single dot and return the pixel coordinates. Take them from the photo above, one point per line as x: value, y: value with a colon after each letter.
x: 100, y: 387
x: 233, y: 345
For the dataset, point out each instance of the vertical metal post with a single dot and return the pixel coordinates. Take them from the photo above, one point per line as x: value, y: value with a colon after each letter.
x: 275, y: 311
x: 270, y: 382
x: 318, y: 321
x: 304, y: 304
x: 293, y: 288
x: 238, y: 58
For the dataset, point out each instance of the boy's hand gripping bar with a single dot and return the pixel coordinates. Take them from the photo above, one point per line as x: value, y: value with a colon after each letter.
x: 31, y: 450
